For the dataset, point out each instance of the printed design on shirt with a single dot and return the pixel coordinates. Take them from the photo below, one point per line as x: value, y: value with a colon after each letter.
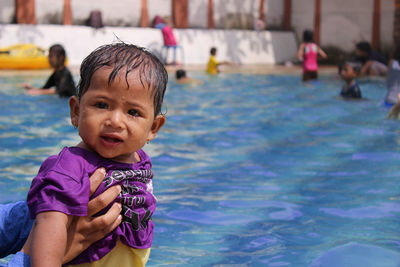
x: 135, y: 198
x: 143, y: 176
x: 133, y: 218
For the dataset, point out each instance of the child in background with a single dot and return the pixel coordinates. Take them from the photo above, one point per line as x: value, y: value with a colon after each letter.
x: 348, y: 72
x: 308, y: 52
x: 117, y: 110
x: 213, y: 63
x: 182, y: 78
x: 61, y: 81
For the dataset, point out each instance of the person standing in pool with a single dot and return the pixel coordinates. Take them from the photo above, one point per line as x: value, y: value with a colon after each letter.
x: 61, y: 81
x: 117, y: 111
x: 308, y: 52
x: 348, y: 72
x: 213, y: 63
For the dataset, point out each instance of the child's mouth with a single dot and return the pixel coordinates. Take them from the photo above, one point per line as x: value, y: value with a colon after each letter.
x: 111, y: 139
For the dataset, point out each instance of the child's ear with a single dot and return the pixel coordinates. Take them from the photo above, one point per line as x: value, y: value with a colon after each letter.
x: 158, y: 122
x: 74, y: 110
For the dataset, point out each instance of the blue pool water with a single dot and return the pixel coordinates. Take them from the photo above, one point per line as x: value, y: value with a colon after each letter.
x: 250, y: 170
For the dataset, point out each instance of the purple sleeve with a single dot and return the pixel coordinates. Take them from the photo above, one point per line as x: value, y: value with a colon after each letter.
x: 57, y: 188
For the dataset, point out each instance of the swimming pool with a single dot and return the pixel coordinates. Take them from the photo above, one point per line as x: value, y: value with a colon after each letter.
x: 250, y: 170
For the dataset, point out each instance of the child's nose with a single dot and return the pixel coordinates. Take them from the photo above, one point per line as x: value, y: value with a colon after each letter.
x: 116, y: 119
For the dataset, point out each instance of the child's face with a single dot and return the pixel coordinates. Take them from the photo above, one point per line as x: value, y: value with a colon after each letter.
x: 54, y: 60
x: 347, y: 73
x: 115, y: 121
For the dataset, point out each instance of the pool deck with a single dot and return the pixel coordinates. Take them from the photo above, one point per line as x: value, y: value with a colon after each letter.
x: 256, y: 69
x: 249, y: 69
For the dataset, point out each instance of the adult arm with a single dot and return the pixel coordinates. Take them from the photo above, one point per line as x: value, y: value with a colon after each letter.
x: 38, y: 91
x: 81, y: 233
x: 31, y: 90
x: 61, y: 83
x: 365, y: 68
x: 49, y: 88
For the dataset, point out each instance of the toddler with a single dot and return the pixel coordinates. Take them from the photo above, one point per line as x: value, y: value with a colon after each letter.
x: 117, y: 110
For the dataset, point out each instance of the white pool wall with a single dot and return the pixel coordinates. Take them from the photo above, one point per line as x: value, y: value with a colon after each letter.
x: 239, y: 46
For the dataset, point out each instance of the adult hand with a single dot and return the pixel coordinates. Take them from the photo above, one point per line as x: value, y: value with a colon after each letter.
x: 26, y: 86
x: 84, y: 231
x: 32, y: 91
x: 38, y: 91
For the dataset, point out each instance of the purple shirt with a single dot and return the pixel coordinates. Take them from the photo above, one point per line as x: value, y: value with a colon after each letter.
x: 63, y: 185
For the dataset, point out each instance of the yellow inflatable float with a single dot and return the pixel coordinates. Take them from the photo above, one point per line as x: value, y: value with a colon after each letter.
x: 24, y: 57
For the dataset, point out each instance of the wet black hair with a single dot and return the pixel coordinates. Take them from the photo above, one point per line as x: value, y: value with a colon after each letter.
x: 58, y: 50
x: 308, y: 36
x: 126, y: 57
x: 364, y: 46
x: 213, y: 50
x: 180, y: 74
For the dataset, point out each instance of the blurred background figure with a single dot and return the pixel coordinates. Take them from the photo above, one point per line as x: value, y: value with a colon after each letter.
x: 349, y: 72
x: 182, y: 78
x: 308, y: 52
x: 373, y: 63
x: 61, y: 81
x: 169, y: 41
x: 393, y: 79
x: 213, y: 64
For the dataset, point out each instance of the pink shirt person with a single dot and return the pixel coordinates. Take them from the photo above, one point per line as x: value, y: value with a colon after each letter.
x: 308, y: 52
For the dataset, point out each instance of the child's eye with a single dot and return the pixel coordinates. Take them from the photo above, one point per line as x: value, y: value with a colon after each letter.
x: 133, y: 112
x: 101, y: 105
